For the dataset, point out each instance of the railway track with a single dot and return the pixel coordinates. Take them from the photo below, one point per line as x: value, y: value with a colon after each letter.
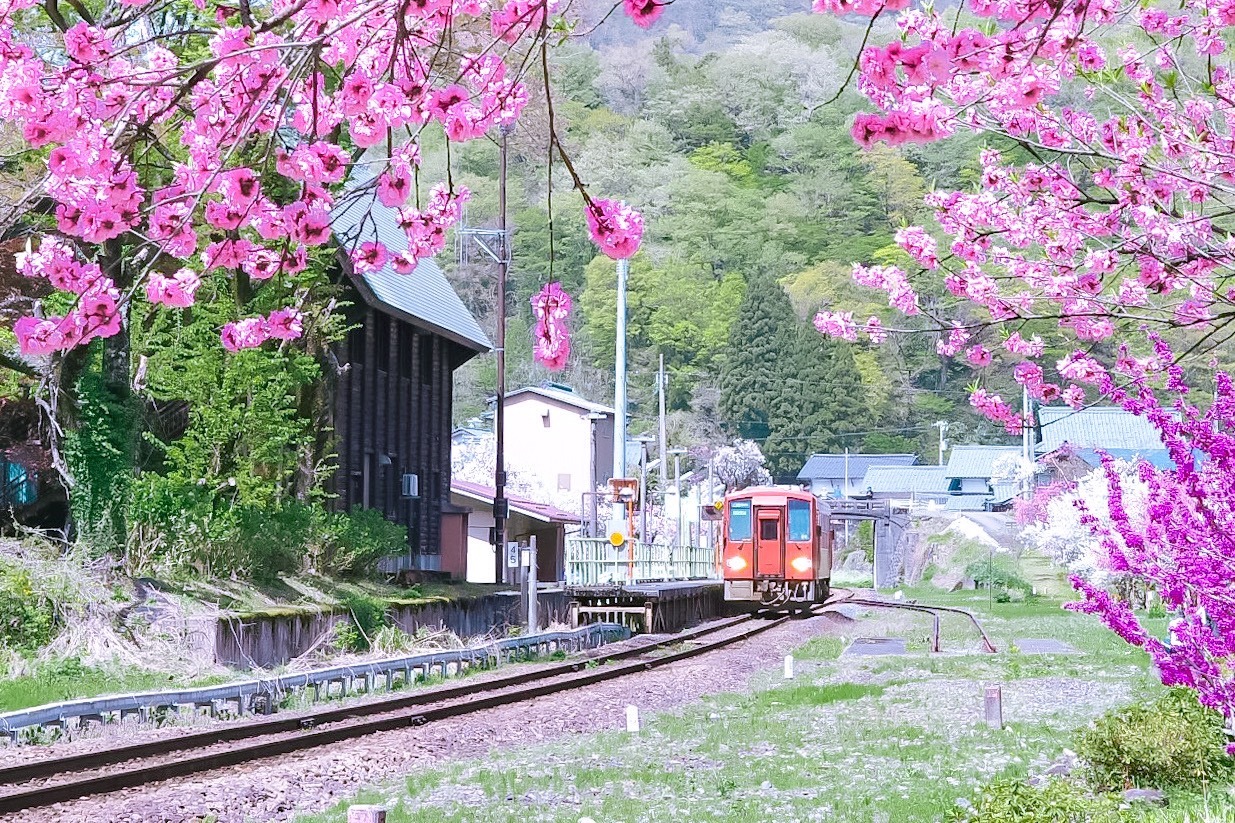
x: 47, y: 782
x: 56, y: 780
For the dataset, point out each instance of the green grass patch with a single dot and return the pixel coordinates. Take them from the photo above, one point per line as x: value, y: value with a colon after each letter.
x: 68, y: 680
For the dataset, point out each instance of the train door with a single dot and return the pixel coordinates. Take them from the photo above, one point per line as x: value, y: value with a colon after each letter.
x: 769, y: 542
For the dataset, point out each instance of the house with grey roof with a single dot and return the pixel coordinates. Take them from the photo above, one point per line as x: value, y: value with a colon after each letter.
x: 1100, y: 428
x: 841, y: 475
x: 392, y: 389
x: 970, y: 469
x: 907, y: 485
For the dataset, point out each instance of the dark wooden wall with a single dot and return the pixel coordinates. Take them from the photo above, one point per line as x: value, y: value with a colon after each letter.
x: 393, y: 397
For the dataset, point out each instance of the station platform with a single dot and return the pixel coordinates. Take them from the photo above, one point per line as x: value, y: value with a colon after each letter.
x: 647, y: 606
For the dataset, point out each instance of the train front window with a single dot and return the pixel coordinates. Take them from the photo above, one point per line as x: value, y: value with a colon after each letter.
x: 739, y: 520
x: 799, y: 520
x: 767, y: 529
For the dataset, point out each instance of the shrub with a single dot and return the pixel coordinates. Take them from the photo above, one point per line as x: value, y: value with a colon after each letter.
x: 27, y: 620
x: 1174, y: 741
x: 1056, y: 801
x: 1002, y: 576
x: 368, y: 618
x: 360, y: 538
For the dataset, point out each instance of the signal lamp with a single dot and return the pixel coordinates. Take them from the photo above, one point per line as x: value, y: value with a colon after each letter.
x: 617, y: 538
x: 801, y: 564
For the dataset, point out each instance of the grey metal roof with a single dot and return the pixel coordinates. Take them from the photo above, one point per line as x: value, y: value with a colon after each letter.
x: 967, y: 503
x: 828, y: 466
x: 566, y: 396
x: 424, y: 297
x: 906, y: 479
x: 1100, y: 427
x: 1004, y: 492
x: 977, y: 461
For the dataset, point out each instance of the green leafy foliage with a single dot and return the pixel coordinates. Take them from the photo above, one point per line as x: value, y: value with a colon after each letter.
x: 1171, y: 742
x: 1056, y: 801
x: 99, y: 452
x: 27, y: 619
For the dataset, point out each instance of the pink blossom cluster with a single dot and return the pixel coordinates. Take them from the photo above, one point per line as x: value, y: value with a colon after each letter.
x: 271, y: 107
x: 95, y: 311
x: 551, y: 337
x: 615, y: 227
x: 251, y: 332
x: 997, y: 409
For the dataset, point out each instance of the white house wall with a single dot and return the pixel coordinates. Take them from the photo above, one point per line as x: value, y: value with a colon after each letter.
x: 552, y: 441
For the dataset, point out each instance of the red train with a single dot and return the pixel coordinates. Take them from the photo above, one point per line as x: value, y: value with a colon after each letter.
x: 777, y: 548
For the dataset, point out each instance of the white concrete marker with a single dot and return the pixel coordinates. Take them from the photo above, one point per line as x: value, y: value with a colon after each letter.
x: 632, y: 719
x: 788, y: 667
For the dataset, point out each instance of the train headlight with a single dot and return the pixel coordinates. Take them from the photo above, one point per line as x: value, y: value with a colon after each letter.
x: 801, y: 564
x: 736, y: 564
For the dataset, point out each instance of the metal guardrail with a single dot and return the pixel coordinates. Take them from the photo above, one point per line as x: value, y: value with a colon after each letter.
x: 263, y: 694
x: 596, y: 562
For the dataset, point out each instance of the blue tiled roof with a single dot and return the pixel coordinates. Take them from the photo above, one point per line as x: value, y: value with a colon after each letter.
x: 1109, y: 428
x: 977, y: 461
x: 424, y: 297
x: 825, y: 466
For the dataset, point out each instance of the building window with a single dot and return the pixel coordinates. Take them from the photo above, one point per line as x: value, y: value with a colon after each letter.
x: 563, y: 482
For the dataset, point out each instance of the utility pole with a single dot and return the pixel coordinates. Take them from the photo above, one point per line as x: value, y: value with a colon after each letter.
x: 501, y: 255
x: 942, y: 425
x: 499, y: 476
x: 619, y: 385
x: 1026, y: 443
x: 662, y: 382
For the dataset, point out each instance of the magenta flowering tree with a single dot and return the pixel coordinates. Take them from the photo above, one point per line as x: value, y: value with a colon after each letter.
x: 1103, y: 211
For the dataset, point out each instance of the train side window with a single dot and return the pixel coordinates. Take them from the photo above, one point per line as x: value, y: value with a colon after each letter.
x: 799, y: 520
x: 768, y: 529
x: 739, y: 520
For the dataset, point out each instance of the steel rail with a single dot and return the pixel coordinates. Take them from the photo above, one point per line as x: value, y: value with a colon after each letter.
x: 313, y: 737
x: 933, y: 611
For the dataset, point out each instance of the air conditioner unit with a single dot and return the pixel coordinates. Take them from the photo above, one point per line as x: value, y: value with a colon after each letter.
x: 411, y: 485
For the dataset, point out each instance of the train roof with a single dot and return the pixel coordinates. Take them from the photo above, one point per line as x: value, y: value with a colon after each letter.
x: 771, y: 495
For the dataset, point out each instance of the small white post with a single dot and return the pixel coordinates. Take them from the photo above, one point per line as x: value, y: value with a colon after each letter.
x: 788, y: 667
x: 366, y: 814
x: 632, y: 719
x: 993, y: 707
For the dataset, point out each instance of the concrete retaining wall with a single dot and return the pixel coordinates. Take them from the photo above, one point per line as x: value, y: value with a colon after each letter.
x: 263, y: 641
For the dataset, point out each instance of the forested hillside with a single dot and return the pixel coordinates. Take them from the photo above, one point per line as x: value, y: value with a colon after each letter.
x: 726, y: 130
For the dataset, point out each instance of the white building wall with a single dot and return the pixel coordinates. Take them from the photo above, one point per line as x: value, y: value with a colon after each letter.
x: 975, y: 485
x: 551, y: 441
x: 480, y: 565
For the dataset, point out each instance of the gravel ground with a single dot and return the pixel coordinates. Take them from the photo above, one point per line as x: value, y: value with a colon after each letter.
x: 311, y: 781
x: 97, y: 737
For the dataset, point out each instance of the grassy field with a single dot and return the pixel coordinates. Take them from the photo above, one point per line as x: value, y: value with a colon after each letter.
x: 851, y: 739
